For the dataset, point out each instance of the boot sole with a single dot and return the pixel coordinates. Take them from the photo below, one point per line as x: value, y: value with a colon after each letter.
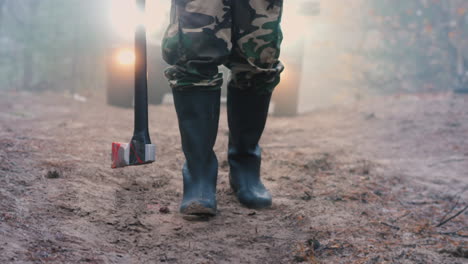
x: 198, y: 209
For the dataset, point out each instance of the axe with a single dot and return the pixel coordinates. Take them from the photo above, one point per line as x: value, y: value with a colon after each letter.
x: 140, y: 150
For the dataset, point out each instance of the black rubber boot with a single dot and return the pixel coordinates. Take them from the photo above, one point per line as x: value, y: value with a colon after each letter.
x: 198, y: 116
x: 247, y: 115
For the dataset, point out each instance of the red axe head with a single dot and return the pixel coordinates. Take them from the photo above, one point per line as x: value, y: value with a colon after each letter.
x: 133, y: 153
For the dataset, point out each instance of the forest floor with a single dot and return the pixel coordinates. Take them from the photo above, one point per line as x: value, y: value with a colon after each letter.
x: 363, y: 183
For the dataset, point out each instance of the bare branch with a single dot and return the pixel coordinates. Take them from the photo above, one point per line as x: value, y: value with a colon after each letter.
x: 452, y: 217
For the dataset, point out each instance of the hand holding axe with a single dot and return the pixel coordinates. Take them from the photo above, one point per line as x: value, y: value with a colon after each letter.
x: 140, y: 150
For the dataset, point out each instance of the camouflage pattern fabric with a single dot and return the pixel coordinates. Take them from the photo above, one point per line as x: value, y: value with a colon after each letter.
x: 244, y: 35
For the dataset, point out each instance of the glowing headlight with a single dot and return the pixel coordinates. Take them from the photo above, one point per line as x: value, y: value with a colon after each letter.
x: 126, y: 57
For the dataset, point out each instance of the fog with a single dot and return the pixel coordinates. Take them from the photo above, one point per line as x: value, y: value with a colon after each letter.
x: 365, y: 150
x: 335, y: 52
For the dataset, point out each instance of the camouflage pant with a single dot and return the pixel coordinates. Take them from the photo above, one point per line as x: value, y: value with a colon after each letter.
x: 244, y: 35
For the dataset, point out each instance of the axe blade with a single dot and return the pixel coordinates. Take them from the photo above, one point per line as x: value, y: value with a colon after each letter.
x: 130, y: 154
x: 120, y: 155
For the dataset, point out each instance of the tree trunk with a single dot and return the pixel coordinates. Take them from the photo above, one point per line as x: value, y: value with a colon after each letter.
x: 27, y: 69
x: 2, y: 3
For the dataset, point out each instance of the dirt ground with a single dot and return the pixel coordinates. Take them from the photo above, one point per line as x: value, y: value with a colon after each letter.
x: 363, y: 183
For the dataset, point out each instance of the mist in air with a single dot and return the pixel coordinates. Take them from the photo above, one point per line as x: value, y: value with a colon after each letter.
x: 364, y: 152
x: 334, y: 53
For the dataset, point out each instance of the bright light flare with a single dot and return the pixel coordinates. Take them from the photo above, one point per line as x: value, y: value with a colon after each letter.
x: 126, y: 57
x: 124, y: 16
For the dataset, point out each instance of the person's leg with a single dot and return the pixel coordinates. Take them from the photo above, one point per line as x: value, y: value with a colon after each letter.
x: 196, y: 42
x: 255, y: 73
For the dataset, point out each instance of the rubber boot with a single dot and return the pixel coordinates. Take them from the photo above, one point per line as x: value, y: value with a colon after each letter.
x: 247, y: 115
x: 198, y: 116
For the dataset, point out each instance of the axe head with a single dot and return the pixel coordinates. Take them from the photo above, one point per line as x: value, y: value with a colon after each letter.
x: 133, y: 153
